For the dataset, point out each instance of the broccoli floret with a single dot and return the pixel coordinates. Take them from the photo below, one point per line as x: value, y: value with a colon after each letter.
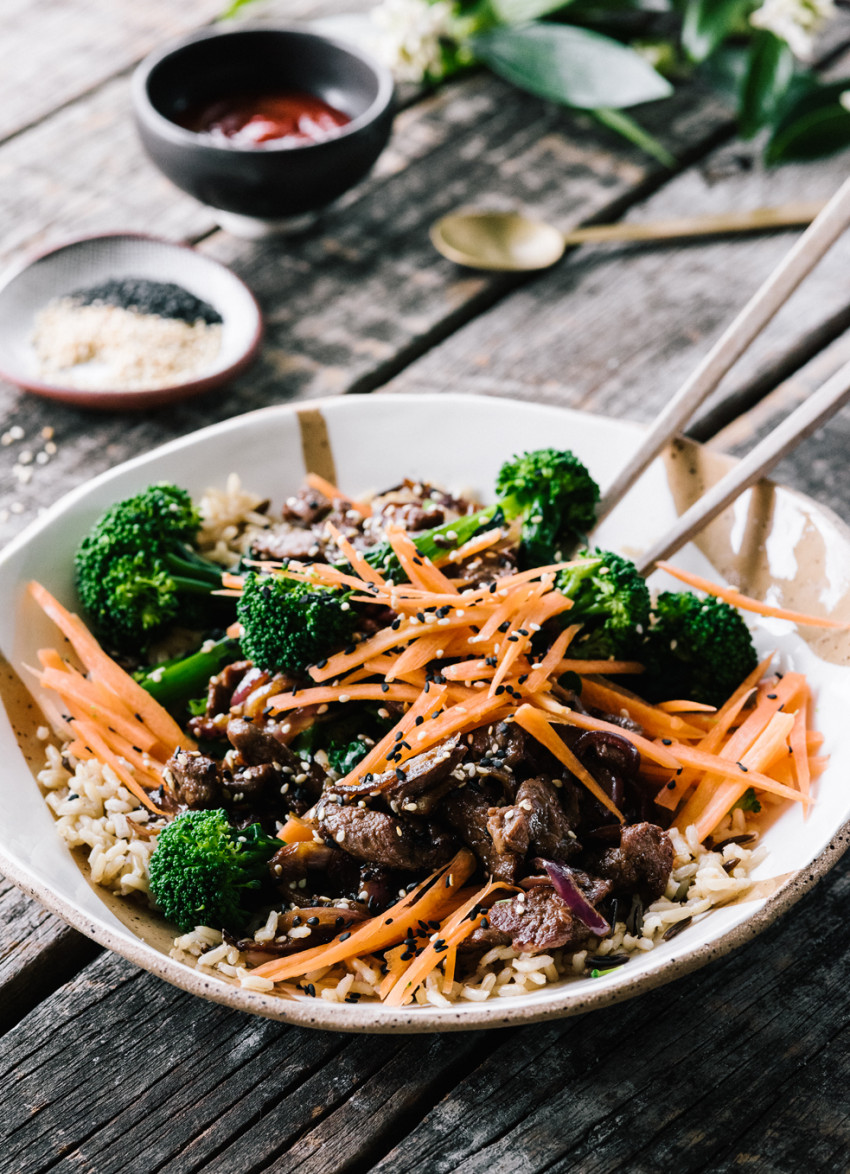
x: 549, y: 489
x: 748, y: 801
x: 556, y: 498
x: 175, y: 681
x: 137, y: 573
x: 204, y: 871
x: 698, y: 648
x: 288, y: 625
x: 611, y: 602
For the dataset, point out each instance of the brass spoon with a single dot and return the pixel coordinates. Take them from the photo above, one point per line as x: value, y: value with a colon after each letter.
x: 507, y: 241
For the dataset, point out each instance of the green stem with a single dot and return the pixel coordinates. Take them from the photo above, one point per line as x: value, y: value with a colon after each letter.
x: 622, y: 124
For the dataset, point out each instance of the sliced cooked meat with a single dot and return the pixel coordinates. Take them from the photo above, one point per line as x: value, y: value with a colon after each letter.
x: 195, y: 779
x: 305, y: 507
x: 257, y: 745
x: 222, y: 687
x: 468, y: 812
x: 550, y: 830
x: 426, y: 778
x: 385, y: 839
x: 641, y: 864
x: 509, y: 829
x: 379, y: 886
x: 282, y: 542
x: 538, y: 920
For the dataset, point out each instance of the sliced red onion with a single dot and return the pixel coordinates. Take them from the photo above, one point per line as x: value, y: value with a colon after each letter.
x: 574, y: 899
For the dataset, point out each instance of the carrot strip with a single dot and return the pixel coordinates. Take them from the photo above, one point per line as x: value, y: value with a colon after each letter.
x: 419, y: 653
x: 74, y: 687
x: 104, y: 668
x: 455, y: 719
x: 342, y: 693
x: 426, y: 903
x: 452, y: 932
x: 571, y: 717
x: 537, y: 724
x: 374, y: 761
x: 772, y: 741
x: 783, y: 694
x: 725, y: 768
x: 420, y: 570
x: 685, y: 706
x: 654, y: 721
x: 396, y: 966
x: 799, y: 749
x: 388, y: 638
x: 468, y: 670
x: 354, y: 556
x: 473, y: 546
x: 332, y: 493
x: 231, y: 581
x: 449, y: 969
x: 747, y: 603
x: 91, y: 738
x: 295, y: 831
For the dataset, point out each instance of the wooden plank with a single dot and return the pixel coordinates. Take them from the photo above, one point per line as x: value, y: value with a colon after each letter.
x: 371, y: 292
x: 676, y: 1079
x: 697, y: 1075
x: 91, y: 41
x: 38, y: 953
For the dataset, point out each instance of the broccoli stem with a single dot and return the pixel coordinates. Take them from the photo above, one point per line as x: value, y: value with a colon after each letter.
x: 174, y: 682
x: 193, y: 571
x: 449, y: 536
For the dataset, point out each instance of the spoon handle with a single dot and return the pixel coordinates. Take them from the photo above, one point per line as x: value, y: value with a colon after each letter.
x: 782, y: 216
x: 761, y: 308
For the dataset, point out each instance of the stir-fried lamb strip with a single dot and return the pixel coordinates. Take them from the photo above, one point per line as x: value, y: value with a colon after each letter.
x: 194, y: 780
x: 424, y: 780
x: 407, y: 844
x: 594, y: 888
x: 641, y: 864
x: 548, y: 828
x: 256, y: 745
x: 306, y: 507
x: 538, y: 920
x: 467, y: 811
x: 379, y: 886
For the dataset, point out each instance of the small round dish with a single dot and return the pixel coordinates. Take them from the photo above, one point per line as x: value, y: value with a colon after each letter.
x: 279, y: 186
x: 87, y: 261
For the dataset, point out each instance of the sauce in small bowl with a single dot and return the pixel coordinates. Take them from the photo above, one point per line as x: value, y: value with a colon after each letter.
x: 252, y: 120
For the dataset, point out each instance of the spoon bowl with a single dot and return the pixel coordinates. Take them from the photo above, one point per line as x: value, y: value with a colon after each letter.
x: 501, y: 241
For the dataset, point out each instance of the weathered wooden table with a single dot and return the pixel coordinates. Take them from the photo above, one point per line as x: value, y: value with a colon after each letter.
x: 745, y: 1064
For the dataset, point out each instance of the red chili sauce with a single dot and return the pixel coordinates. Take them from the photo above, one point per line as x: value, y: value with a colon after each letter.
x: 251, y: 120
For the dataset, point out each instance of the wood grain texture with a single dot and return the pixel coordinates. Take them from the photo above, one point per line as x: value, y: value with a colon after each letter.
x: 349, y: 304
x: 690, y: 1077
x: 38, y: 952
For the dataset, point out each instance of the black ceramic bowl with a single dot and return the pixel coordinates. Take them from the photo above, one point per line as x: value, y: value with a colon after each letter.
x: 273, y: 182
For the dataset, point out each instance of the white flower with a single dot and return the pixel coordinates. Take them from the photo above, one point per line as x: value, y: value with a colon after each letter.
x: 796, y: 21
x: 409, y: 36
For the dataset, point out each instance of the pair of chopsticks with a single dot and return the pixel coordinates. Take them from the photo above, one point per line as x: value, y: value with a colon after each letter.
x: 818, y: 238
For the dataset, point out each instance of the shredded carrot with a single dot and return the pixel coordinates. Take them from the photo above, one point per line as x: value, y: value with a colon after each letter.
x: 425, y: 903
x: 295, y: 831
x: 332, y: 493
x: 452, y: 932
x: 655, y: 721
x: 103, y: 668
x: 321, y: 696
x: 457, y: 718
x: 101, y: 706
x: 747, y: 603
x: 375, y: 760
x: 87, y: 731
x: 537, y: 724
x: 354, y: 556
x: 552, y: 659
x: 475, y: 545
x: 684, y: 706
x: 799, y: 750
x: 571, y: 717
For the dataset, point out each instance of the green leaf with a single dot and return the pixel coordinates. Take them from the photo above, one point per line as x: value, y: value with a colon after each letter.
x: 520, y: 11
x: 623, y: 125
x: 708, y: 23
x: 812, y: 122
x: 570, y: 65
x: 768, y: 77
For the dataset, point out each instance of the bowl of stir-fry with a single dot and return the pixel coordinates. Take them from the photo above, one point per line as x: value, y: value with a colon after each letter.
x: 380, y: 732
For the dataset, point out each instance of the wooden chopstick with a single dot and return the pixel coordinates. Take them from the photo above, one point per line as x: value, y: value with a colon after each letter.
x: 802, y: 422
x: 761, y: 308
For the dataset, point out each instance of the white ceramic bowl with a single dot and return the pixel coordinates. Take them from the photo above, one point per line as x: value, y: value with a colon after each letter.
x: 87, y: 261
x: 775, y: 543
